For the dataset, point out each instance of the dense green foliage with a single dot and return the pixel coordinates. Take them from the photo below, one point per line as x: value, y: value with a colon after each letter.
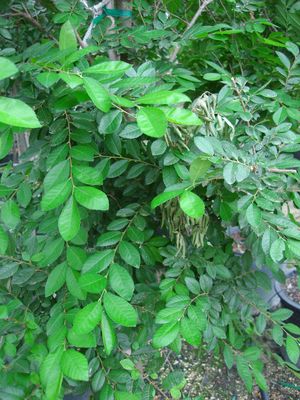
x: 145, y: 145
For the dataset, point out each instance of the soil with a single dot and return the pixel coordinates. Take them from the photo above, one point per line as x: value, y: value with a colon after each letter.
x: 208, y: 379
x: 292, y: 289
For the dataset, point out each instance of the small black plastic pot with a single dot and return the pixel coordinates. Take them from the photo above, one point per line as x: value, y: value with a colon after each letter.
x: 287, y: 302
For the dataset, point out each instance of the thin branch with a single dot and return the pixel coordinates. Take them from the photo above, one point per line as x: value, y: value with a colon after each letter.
x: 190, y: 24
x: 279, y: 170
x: 27, y: 16
x: 95, y: 11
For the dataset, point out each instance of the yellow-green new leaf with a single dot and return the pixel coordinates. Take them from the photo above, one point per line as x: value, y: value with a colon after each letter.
x: 69, y: 220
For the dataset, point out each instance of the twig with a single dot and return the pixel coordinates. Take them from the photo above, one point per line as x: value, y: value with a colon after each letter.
x: 30, y: 19
x: 191, y: 23
x: 95, y: 11
x: 279, y: 170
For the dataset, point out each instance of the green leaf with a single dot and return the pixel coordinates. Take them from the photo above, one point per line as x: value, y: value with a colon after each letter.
x: 87, y: 318
x: 228, y: 356
x: 83, y: 152
x: 229, y: 173
x: 76, y: 257
x: 192, y: 284
x: 97, y: 94
x: 130, y: 254
x: 169, y: 314
x: 204, y: 145
x: 181, y: 116
x: 56, y: 279
x: 165, y: 335
x: 51, y: 252
x: 190, y: 332
x: 108, y: 67
x: 244, y: 372
x: 7, y: 68
x: 277, y: 335
x: 109, y: 239
x: 24, y: 194
x: 74, y: 365
x: 67, y: 37
x: 253, y: 215
x: 163, y: 97
x: 127, y: 364
x: 3, y: 312
x: 69, y: 220
x: 198, y: 168
x: 7, y: 270
x: 98, y: 261
x: 121, y: 282
x: 91, y: 198
x: 58, y: 174
x: 119, y: 310
x: 48, y: 79
x: 98, y: 380
x: 6, y: 142
x: 292, y: 349
x: 295, y: 329
x: 51, y: 374
x: 92, y: 282
x: 152, y: 122
x: 87, y: 340
x: 212, y: 76
x: 277, y: 249
x: 281, y: 314
x: 73, y: 285
x: 252, y: 353
x: 164, y: 197
x: 108, y: 334
x: 10, y: 214
x: 191, y: 204
x: 3, y: 241
x: 16, y: 113
x: 110, y: 123
x: 242, y: 172
x: 87, y: 175
x: 260, y: 379
x: 55, y: 196
x: 294, y: 247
